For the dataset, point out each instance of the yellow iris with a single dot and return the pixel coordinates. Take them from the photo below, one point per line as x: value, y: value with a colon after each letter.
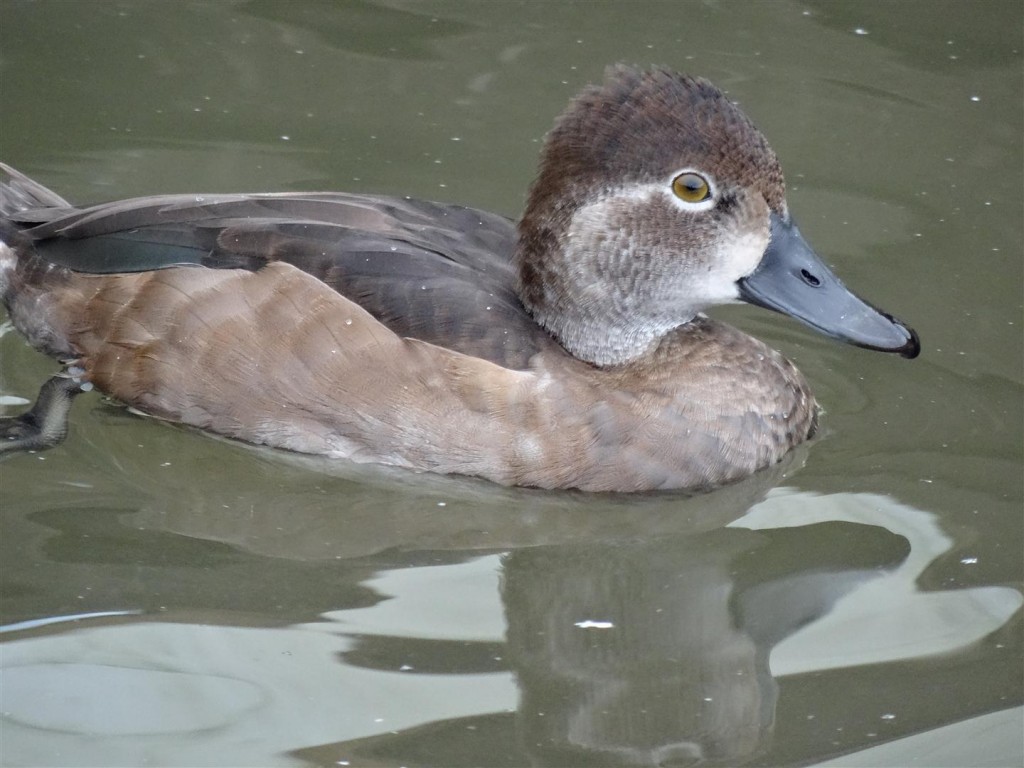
x: 691, y: 187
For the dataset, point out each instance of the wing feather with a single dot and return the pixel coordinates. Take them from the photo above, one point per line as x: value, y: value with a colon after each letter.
x: 431, y: 271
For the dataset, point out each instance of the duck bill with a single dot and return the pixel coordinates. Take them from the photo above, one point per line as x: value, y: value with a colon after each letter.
x: 793, y: 280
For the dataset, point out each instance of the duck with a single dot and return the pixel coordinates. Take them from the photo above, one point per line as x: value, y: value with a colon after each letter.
x: 568, y: 350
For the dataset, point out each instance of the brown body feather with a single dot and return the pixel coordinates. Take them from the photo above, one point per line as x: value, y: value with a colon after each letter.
x: 276, y: 357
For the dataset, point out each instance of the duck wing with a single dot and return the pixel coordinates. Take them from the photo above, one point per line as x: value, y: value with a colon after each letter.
x: 430, y: 271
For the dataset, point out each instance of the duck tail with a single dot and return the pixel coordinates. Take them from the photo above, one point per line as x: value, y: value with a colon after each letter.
x: 23, y: 202
x: 19, y: 193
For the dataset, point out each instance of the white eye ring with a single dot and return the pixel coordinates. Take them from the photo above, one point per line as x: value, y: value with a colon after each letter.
x: 692, y: 190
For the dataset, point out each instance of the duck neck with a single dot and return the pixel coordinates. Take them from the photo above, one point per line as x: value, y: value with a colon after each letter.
x: 601, y: 343
x: 592, y: 318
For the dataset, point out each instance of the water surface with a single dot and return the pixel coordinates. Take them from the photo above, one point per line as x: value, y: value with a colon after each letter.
x: 173, y: 599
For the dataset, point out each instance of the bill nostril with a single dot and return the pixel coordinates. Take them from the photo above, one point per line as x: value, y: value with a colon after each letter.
x: 809, y: 278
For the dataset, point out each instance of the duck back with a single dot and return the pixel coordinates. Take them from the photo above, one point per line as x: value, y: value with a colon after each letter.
x: 435, y: 272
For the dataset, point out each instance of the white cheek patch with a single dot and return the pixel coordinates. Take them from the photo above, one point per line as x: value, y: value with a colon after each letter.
x: 736, y: 255
x: 592, y: 222
x: 735, y: 258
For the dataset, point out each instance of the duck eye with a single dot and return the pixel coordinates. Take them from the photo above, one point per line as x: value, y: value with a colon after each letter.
x: 691, y: 187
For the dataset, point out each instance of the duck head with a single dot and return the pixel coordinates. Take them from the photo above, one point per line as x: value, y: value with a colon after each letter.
x: 657, y: 198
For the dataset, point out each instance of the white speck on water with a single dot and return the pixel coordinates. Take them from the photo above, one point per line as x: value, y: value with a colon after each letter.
x: 166, y: 464
x: 286, y: 138
x: 442, y: 504
x: 456, y: 138
x: 888, y: 716
x: 975, y: 98
x: 405, y: 668
x: 968, y: 560
x: 860, y: 31
x: 591, y: 624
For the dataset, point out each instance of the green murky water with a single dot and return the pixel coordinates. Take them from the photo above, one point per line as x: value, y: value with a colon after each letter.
x: 172, y: 599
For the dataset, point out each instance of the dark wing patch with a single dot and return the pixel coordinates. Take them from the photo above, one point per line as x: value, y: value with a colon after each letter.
x: 435, y: 272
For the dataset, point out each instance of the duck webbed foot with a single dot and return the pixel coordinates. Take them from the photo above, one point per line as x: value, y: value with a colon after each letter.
x: 45, y: 424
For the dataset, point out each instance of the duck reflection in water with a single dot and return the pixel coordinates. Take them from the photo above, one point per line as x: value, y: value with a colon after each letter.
x: 646, y: 653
